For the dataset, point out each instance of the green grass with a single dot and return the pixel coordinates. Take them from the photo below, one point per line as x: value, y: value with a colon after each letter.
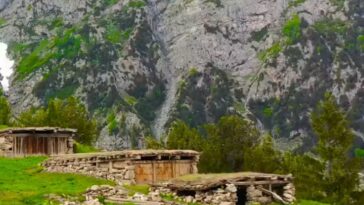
x: 138, y: 188
x: 23, y: 182
x: 3, y: 127
x: 81, y: 148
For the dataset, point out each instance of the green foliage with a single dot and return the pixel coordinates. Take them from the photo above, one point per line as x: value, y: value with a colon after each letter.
x: 69, y: 113
x: 130, y: 100
x: 63, y: 93
x: 110, y: 2
x: 359, y: 153
x: 292, y: 30
x: 181, y: 136
x: 2, y: 21
x: 5, y: 111
x: 294, y: 3
x: 360, y: 41
x: 136, y: 4
x: 328, y: 27
x: 152, y: 143
x: 268, y: 112
x: 58, y: 22
x: 81, y: 148
x: 263, y: 157
x: 40, y: 56
x: 338, y: 3
x: 112, y: 125
x: 22, y: 182
x: 222, y: 148
x: 192, y: 72
x: 147, y: 105
x: 68, y: 46
x: 113, y: 34
x: 271, y: 54
x: 335, y: 139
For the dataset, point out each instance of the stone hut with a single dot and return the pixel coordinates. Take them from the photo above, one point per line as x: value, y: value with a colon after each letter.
x: 230, y: 189
x: 29, y: 141
x: 129, y: 166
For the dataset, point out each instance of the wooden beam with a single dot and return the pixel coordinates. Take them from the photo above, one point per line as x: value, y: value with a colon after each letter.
x: 247, y: 183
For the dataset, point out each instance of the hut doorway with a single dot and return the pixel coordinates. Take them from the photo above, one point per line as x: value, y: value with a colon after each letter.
x: 241, y: 194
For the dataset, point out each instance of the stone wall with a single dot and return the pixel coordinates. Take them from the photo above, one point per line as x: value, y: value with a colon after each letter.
x: 6, y: 146
x: 133, y: 166
x: 226, y: 195
x: 121, y: 172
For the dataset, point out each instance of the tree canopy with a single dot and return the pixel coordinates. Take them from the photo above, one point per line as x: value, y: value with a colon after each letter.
x: 69, y: 113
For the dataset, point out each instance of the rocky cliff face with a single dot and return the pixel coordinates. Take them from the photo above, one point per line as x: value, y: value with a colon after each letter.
x: 140, y: 64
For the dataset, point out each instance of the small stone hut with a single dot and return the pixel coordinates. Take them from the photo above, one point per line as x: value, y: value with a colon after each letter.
x: 29, y: 141
x: 129, y: 166
x: 234, y: 188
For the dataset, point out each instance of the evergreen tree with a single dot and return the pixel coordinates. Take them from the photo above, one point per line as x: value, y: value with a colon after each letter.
x: 263, y: 157
x: 5, y: 111
x: 227, y: 142
x: 335, y: 139
x: 69, y: 113
x: 181, y: 136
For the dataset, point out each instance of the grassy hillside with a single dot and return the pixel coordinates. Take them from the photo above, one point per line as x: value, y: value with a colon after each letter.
x: 23, y: 182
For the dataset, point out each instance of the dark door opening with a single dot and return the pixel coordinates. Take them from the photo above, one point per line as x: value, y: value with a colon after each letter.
x: 241, y: 193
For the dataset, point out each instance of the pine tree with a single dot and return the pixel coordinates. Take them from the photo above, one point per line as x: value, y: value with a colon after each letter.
x: 335, y: 139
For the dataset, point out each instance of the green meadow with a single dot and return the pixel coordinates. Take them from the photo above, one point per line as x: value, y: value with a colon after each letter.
x: 23, y: 182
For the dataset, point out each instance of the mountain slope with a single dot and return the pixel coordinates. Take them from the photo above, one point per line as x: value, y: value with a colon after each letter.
x: 140, y: 64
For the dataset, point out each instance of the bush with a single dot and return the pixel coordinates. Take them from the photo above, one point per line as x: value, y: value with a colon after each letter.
x: 292, y: 30
x: 271, y: 54
x: 81, y: 148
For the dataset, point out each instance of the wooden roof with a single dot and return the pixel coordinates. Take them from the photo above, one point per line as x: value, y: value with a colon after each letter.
x: 202, y: 182
x: 20, y: 130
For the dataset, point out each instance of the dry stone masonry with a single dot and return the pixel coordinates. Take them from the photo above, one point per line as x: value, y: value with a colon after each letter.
x: 138, y: 166
x: 235, y: 188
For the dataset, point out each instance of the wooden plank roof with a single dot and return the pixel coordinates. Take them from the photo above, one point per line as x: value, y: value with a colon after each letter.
x: 13, y: 130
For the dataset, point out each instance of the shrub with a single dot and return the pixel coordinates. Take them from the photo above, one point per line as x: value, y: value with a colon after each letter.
x: 136, y: 4
x: 82, y: 148
x: 292, y: 29
x: 271, y: 54
x: 330, y: 27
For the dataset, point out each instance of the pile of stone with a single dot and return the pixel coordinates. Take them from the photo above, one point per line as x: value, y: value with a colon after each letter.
x: 123, y: 174
x: 289, y: 192
x: 221, y: 196
x: 105, y: 191
x: 254, y: 194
